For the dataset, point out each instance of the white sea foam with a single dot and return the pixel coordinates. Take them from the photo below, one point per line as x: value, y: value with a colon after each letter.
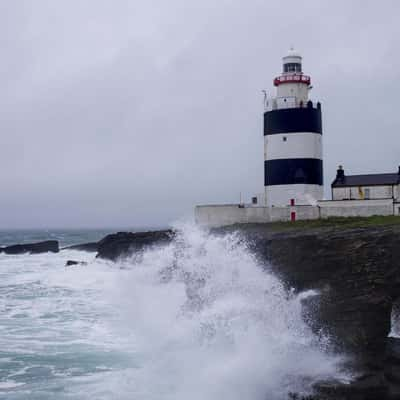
x: 197, y: 319
x: 9, y: 385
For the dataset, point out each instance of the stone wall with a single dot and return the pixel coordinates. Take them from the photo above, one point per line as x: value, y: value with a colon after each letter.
x: 355, y: 208
x: 228, y: 214
x: 221, y: 215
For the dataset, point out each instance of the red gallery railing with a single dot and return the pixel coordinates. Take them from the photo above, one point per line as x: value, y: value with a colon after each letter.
x: 293, y: 78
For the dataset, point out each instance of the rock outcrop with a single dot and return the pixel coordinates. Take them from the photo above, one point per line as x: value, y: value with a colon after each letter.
x: 357, y: 275
x: 33, y: 248
x: 71, y: 263
x: 123, y: 244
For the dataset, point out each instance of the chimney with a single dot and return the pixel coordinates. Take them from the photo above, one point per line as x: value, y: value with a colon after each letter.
x: 340, y: 174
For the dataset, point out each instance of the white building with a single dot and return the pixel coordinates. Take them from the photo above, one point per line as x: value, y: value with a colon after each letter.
x: 366, y: 187
x: 293, y: 167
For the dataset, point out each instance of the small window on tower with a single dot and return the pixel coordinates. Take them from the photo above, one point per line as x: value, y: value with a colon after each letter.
x: 284, y: 138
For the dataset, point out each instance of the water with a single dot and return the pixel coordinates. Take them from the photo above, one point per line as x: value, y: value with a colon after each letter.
x: 198, y: 319
x: 66, y: 237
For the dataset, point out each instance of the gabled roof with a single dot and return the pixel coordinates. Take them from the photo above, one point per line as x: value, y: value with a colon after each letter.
x: 367, y: 180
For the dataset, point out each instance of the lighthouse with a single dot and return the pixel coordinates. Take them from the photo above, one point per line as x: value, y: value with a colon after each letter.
x: 292, y: 139
x: 293, y: 178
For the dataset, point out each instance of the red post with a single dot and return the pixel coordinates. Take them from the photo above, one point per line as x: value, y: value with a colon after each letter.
x: 293, y: 216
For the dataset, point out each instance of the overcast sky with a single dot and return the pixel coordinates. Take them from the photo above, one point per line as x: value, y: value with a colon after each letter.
x: 128, y: 113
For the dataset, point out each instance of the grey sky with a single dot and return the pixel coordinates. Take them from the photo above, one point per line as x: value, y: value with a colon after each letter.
x: 128, y: 113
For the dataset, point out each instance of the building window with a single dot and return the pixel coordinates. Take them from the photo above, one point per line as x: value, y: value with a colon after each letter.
x: 284, y: 138
x: 367, y: 194
x: 292, y: 67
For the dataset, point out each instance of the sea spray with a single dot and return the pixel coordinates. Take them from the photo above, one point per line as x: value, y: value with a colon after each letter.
x: 217, y: 324
x: 198, y: 319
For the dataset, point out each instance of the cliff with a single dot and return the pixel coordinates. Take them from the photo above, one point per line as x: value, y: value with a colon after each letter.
x: 354, y: 265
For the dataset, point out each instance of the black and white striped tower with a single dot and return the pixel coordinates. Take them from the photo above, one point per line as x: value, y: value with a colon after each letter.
x: 292, y: 139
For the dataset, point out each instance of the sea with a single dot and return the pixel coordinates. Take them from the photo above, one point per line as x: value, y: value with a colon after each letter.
x: 198, y: 319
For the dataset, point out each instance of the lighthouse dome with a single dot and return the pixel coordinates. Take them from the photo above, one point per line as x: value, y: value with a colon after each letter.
x: 293, y: 53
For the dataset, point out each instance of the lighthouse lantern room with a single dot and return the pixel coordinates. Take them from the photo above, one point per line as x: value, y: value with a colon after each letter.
x: 292, y: 139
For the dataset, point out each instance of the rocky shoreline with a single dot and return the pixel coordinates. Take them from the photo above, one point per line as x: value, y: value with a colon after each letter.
x: 111, y: 247
x: 48, y: 246
x: 122, y: 244
x: 354, y: 271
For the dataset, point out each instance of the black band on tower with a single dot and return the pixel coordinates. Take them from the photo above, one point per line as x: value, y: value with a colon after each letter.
x: 290, y: 120
x: 293, y: 171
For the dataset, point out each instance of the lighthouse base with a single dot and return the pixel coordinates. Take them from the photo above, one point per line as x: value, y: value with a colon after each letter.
x: 281, y: 195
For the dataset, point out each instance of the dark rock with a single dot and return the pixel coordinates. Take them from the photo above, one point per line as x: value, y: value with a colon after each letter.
x: 33, y: 248
x: 122, y: 244
x: 90, y: 247
x: 392, y: 368
x: 393, y: 350
x: 356, y: 273
x: 70, y: 263
x: 369, y: 387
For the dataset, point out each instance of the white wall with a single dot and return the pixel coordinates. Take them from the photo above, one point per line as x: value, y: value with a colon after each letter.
x: 298, y: 90
x: 355, y: 208
x: 306, y: 212
x: 376, y: 192
x: 341, y: 193
x: 220, y: 215
x: 397, y: 192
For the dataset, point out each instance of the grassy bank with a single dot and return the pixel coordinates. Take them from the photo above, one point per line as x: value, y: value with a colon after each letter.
x: 337, y: 222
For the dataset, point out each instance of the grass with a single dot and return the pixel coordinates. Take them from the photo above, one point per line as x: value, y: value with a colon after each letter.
x: 337, y: 222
